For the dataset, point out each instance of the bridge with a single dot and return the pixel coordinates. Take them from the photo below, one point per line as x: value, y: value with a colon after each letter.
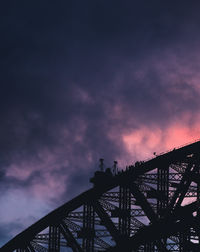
x: 153, y: 205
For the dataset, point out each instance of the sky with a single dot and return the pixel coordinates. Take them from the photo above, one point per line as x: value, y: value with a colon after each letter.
x: 83, y: 80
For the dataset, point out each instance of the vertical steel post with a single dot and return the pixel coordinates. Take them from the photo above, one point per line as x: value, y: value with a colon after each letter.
x: 149, y: 247
x: 163, y: 193
x: 163, y: 189
x: 124, y: 210
x: 54, y: 239
x: 198, y: 194
x: 88, y: 228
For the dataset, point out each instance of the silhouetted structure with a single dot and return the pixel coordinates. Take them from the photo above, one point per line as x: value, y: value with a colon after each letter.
x: 151, y: 206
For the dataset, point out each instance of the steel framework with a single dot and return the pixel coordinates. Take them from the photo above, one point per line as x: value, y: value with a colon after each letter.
x: 150, y: 206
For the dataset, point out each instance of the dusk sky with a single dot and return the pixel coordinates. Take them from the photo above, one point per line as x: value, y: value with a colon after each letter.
x: 82, y: 80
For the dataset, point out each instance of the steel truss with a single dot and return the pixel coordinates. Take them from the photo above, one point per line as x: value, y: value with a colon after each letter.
x: 151, y: 206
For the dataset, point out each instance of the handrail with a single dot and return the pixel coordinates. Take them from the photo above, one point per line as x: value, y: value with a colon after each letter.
x: 175, y: 148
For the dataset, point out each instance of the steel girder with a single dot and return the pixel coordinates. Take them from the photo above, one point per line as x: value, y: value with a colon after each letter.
x: 151, y: 206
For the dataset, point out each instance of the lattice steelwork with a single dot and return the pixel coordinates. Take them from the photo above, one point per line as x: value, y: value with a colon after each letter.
x: 88, y: 231
x: 54, y: 239
x: 150, y: 206
x: 124, y: 211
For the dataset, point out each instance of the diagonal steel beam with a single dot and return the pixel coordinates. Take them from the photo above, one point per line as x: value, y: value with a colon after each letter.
x: 38, y: 247
x: 31, y: 249
x: 181, y: 219
x: 77, y: 228
x: 181, y: 189
x: 160, y: 229
x: 69, y: 238
x: 142, y: 201
x: 105, y: 218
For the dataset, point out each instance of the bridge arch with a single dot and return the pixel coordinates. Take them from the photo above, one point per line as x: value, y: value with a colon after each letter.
x: 143, y: 208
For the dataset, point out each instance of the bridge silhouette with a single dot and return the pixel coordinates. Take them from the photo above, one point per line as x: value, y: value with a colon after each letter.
x: 152, y: 205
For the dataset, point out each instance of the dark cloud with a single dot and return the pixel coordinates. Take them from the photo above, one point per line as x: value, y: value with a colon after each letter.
x: 82, y: 80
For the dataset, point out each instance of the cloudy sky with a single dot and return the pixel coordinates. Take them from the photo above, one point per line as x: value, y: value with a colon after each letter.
x: 81, y: 80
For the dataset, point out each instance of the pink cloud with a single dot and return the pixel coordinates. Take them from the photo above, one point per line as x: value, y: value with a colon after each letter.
x: 51, y: 182
x: 143, y: 142
x: 53, y: 185
x: 49, y: 168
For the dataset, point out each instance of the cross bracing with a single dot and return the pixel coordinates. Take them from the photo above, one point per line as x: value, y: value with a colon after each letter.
x: 150, y: 206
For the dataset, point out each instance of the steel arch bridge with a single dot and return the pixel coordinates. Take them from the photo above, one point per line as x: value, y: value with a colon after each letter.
x: 150, y: 206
